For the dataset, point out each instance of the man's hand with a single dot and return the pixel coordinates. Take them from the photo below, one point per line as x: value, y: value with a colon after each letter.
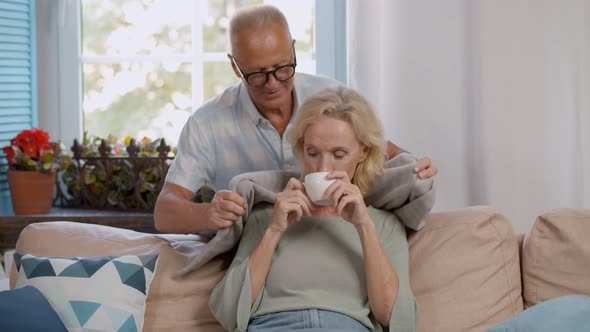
x: 176, y: 212
x: 225, y: 209
x: 424, y: 169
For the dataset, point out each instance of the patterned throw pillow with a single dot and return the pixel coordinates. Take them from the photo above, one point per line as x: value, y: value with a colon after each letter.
x: 91, y: 293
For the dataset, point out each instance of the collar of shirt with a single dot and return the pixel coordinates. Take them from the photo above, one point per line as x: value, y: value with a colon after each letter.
x: 247, y: 105
x: 252, y: 112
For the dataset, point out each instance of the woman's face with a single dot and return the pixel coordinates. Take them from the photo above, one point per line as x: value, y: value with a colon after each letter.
x: 330, y: 145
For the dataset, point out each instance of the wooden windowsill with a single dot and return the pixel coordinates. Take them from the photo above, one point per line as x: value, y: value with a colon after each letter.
x: 12, y: 225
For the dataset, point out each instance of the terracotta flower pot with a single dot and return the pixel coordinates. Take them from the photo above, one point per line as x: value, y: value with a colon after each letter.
x: 31, y: 192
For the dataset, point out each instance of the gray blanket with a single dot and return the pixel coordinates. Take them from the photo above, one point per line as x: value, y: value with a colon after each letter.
x: 398, y: 190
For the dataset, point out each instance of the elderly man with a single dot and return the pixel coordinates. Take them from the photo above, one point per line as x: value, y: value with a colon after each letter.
x: 242, y: 129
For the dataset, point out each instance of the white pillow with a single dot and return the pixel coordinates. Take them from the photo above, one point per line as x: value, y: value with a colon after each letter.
x: 104, y: 293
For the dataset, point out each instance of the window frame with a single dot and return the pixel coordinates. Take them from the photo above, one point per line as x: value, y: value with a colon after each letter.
x: 331, y: 59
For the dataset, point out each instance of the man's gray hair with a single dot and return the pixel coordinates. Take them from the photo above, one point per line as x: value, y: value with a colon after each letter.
x: 256, y: 17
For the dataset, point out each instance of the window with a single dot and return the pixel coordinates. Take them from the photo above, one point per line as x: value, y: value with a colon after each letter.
x: 144, y: 65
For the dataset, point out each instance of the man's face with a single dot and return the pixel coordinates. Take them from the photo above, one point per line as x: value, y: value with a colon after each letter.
x: 264, y: 50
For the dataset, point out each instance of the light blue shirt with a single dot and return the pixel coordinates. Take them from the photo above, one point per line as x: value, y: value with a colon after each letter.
x: 227, y: 136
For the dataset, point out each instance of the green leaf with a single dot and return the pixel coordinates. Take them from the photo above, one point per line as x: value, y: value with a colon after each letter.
x: 112, y: 197
x: 146, y: 186
x: 90, y: 178
x: 102, y: 175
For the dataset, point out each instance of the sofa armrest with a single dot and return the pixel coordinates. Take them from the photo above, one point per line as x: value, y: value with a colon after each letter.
x: 172, y: 304
x: 70, y: 239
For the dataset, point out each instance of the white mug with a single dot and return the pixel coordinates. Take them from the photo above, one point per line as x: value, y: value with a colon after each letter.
x: 315, y: 186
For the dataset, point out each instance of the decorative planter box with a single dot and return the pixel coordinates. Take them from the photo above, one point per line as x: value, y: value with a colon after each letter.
x: 104, y: 181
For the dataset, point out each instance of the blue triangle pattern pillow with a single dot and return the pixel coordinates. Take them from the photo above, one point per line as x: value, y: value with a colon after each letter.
x: 105, y: 293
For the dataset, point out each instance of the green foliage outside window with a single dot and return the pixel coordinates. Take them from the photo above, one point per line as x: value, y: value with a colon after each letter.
x: 154, y: 98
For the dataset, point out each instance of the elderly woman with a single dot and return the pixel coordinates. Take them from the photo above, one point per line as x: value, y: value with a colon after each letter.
x: 341, y: 267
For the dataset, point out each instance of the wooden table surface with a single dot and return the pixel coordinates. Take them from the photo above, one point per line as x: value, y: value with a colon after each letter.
x: 12, y: 225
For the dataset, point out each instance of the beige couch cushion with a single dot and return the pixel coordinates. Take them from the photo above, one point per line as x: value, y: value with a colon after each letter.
x: 172, y: 304
x: 464, y: 270
x: 556, y: 256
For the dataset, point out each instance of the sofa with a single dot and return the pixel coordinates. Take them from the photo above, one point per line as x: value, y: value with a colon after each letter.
x: 468, y: 269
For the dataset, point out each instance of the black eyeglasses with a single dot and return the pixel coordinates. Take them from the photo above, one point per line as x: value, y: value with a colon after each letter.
x: 259, y: 78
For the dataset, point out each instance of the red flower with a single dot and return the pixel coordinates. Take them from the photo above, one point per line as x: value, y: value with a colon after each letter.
x: 40, y: 137
x: 31, y: 150
x: 9, y: 154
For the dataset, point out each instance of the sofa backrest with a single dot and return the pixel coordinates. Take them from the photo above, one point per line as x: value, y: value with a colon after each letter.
x: 464, y: 270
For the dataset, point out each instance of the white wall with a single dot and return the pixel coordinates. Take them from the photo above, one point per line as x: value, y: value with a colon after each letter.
x: 48, y: 68
x: 58, y: 80
x: 495, y: 91
x: 531, y: 62
x: 420, y: 73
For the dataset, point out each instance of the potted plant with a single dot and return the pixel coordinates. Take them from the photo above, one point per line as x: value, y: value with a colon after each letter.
x: 33, y: 161
x: 107, y: 173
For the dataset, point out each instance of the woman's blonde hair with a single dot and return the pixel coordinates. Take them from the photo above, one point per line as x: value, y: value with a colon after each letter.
x: 347, y: 105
